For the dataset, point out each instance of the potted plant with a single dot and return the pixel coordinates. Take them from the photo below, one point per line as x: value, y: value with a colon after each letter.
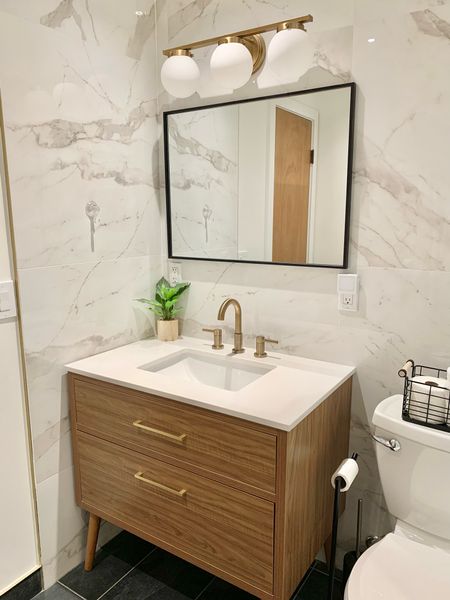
x: 164, y: 305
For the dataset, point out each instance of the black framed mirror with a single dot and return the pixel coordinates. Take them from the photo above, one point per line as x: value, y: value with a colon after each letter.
x: 262, y: 180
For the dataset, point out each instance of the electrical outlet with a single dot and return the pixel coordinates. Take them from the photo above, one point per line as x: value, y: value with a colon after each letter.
x: 348, y: 291
x: 347, y: 299
x: 175, y: 273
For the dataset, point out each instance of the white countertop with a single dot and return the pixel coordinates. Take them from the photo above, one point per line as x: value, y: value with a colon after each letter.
x: 281, y: 398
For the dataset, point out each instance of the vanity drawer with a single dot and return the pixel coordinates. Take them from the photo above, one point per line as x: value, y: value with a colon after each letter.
x: 144, y: 422
x: 218, y: 525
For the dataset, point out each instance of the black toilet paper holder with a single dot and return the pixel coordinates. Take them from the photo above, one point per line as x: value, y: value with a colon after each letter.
x: 339, y: 484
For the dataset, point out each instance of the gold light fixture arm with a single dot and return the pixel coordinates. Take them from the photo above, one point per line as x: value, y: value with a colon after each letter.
x: 241, y: 35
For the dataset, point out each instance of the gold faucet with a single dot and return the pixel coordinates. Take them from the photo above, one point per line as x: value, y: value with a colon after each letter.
x: 238, y: 349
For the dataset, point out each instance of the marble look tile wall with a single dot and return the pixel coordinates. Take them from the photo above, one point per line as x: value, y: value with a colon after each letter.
x: 400, y: 226
x: 79, y: 95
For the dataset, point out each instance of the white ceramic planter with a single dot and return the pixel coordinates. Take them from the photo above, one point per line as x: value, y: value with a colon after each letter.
x: 167, y: 330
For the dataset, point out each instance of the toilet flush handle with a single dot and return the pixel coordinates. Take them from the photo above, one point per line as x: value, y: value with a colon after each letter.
x: 393, y: 444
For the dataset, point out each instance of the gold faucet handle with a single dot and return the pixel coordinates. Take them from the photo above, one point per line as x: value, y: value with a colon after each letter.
x: 261, y: 345
x: 217, y: 345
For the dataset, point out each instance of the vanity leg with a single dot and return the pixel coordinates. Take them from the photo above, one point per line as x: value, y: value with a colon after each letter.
x: 91, y: 544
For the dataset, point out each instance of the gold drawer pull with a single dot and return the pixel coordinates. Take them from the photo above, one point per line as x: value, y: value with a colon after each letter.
x: 160, y: 486
x: 170, y: 436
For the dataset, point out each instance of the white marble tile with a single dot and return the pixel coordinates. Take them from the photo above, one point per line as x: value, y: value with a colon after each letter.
x: 367, y: 10
x: 190, y: 20
x: 82, y: 152
x: 63, y: 526
x: 108, y: 24
x: 402, y: 216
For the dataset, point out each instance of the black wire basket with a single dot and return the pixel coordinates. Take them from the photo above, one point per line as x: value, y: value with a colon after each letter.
x: 426, y: 401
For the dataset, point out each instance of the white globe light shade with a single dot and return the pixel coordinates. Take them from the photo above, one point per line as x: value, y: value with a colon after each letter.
x: 180, y: 76
x: 289, y: 54
x: 231, y: 65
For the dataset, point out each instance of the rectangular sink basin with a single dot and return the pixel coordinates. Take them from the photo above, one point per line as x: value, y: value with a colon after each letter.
x: 224, y: 372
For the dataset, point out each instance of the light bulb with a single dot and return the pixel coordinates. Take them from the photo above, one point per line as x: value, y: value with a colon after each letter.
x: 231, y: 64
x: 289, y: 54
x: 180, y: 75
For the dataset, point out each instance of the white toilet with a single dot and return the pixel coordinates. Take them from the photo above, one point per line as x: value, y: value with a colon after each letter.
x: 413, y: 562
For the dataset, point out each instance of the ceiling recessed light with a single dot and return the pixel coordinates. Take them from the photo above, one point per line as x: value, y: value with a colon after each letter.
x: 139, y: 13
x: 371, y: 40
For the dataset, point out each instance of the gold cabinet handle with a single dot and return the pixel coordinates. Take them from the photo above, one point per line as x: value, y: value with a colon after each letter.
x: 165, y: 434
x: 140, y: 475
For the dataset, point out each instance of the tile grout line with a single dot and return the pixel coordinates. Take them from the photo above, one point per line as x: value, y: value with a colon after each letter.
x: 126, y: 574
x: 70, y: 590
x: 205, y: 588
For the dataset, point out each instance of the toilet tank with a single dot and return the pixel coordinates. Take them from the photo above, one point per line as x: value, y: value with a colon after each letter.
x: 415, y: 480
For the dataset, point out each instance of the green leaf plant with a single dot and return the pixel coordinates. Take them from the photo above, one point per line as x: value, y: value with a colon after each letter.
x: 164, y: 305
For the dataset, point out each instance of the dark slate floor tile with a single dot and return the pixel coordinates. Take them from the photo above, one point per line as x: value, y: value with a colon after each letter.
x: 221, y: 590
x: 315, y: 587
x: 57, y: 592
x: 323, y: 568
x: 138, y: 585
x: 108, y: 570
x: 26, y: 589
x: 112, y: 562
x: 161, y: 576
x: 175, y: 574
x: 169, y: 594
x: 128, y: 547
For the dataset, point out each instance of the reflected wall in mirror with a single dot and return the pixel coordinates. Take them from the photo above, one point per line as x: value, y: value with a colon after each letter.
x: 265, y: 180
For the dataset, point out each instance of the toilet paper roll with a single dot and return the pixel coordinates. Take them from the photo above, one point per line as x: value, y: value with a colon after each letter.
x: 428, y: 402
x: 348, y: 470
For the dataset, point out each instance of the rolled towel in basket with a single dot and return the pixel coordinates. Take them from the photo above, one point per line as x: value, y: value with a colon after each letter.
x: 429, y: 399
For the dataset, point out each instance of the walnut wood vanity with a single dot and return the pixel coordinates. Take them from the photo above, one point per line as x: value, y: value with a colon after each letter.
x: 246, y: 502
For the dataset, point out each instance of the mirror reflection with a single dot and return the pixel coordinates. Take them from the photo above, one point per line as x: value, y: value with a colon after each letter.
x: 261, y: 181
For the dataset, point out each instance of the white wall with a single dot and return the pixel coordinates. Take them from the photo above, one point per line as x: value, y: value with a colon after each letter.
x: 18, y: 551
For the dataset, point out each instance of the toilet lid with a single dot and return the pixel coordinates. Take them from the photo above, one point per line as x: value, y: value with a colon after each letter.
x: 398, y: 568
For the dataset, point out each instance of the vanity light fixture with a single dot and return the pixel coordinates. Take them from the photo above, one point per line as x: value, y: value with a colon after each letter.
x: 239, y: 55
x: 231, y: 63
x: 180, y: 73
x: 289, y: 55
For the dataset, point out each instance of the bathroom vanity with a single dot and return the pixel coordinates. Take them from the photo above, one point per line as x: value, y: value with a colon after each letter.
x: 231, y: 473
